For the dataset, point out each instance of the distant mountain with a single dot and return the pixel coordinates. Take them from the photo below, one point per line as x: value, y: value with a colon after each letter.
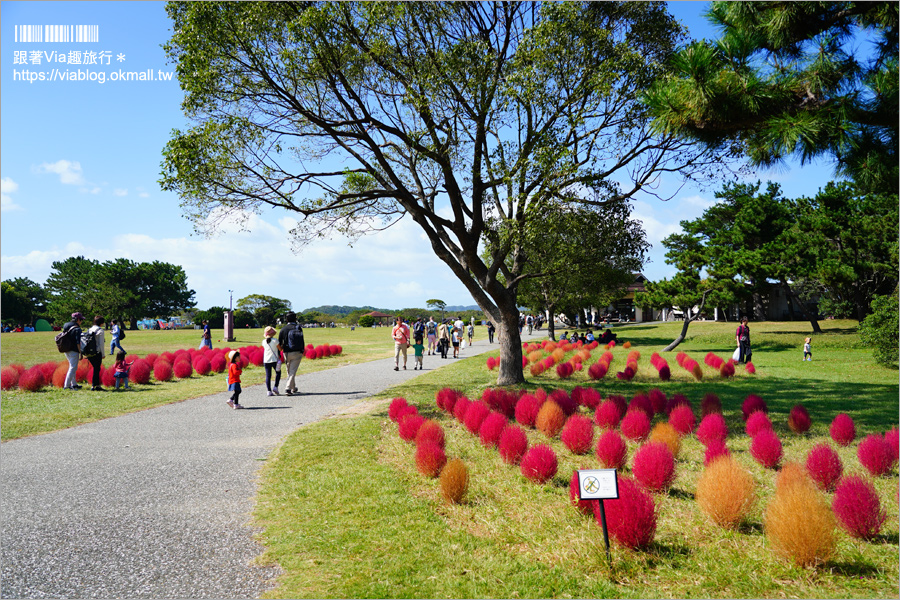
x: 461, y: 308
x: 331, y: 309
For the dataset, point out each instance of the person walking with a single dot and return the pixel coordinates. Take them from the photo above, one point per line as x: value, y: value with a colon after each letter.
x: 400, y: 334
x: 419, y: 348
x: 271, y: 360
x: 206, y: 337
x: 419, y: 330
x: 235, y: 368
x: 742, y: 336
x: 456, y: 337
x: 290, y: 338
x: 807, y: 349
x: 470, y: 332
x: 93, y: 345
x: 122, y: 369
x: 431, y: 332
x: 490, y: 330
x: 117, y: 335
x: 73, y: 329
x: 443, y: 338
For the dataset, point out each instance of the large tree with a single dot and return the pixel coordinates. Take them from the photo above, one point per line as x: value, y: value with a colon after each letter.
x: 23, y: 301
x: 461, y: 115
x: 803, y: 79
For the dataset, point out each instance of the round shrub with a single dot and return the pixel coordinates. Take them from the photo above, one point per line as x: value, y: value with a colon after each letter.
x: 32, y: 380
x: 475, y: 416
x: 564, y: 370
x: 491, y: 429
x: 750, y: 368
x: 709, y: 405
x: 446, y: 399
x: 892, y: 437
x: 726, y: 492
x: 665, y: 373
x: 875, y: 455
x: 409, y: 426
x: 711, y: 428
x: 758, y: 421
x: 667, y: 434
x: 217, y: 363
x: 635, y: 425
x: 766, y: 448
x: 842, y: 430
x: 47, y: 370
x: 201, y: 365
x: 631, y: 518
x: 598, y: 370
x: 396, y: 405
x: 58, y: 379
x: 824, y: 466
x: 183, y: 369
x: 791, y: 474
x: 502, y: 401
x: 564, y: 401
x: 800, y: 526
x: 406, y: 410
x: 654, y: 466
x: 108, y: 376
x: 620, y: 403
x: 641, y: 402
x: 607, y: 415
x: 513, y: 444
x: 309, y: 354
x: 539, y: 464
x: 612, y: 451
x: 454, y: 481
x: 460, y: 408
x: 140, y: 372
x: 527, y: 409
x: 857, y: 507
x: 715, y: 449
x: 682, y: 419
x: 430, y: 459
x: 675, y: 401
x: 82, y: 370
x: 752, y: 404
x: 588, y: 397
x: 578, y: 434
x: 9, y: 378
x: 169, y: 357
x: 658, y: 400
x: 585, y: 507
x: 151, y: 359
x: 798, y: 419
x: 550, y: 419
x: 430, y: 432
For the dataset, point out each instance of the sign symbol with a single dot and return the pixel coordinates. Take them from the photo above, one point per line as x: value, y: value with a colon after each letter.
x: 591, y: 485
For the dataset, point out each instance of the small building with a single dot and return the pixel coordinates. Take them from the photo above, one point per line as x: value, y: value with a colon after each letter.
x: 380, y: 317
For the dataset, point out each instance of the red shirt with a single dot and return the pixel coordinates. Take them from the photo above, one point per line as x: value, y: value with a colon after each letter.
x: 401, y: 333
x: 234, y: 373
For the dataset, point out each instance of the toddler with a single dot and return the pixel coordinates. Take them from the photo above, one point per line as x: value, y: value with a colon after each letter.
x: 807, y: 349
x: 234, y: 378
x: 121, y: 369
x: 419, y: 347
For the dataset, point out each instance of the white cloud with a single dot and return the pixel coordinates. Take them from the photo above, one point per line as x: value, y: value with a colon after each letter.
x: 699, y: 201
x: 69, y: 172
x: 7, y: 187
x: 120, y: 192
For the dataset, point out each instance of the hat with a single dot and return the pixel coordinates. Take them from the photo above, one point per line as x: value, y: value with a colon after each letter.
x: 269, y: 331
x: 77, y: 315
x: 231, y: 354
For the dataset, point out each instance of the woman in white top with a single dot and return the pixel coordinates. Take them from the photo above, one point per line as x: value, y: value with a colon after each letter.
x: 271, y: 360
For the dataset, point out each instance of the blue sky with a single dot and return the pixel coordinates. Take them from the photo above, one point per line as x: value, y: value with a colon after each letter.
x: 80, y: 162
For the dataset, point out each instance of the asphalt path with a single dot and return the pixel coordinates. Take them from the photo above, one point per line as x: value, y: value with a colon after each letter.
x: 157, y: 503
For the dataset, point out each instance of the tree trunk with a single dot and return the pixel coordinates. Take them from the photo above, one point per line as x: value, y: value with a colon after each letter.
x: 680, y: 337
x: 551, y: 327
x: 813, y: 319
x: 510, y: 371
x: 759, y: 312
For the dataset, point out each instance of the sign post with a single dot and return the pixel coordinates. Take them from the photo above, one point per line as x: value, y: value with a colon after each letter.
x: 599, y: 485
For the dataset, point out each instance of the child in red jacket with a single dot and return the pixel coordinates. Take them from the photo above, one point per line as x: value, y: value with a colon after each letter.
x: 234, y: 378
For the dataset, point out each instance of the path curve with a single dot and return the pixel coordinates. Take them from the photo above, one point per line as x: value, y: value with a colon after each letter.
x: 157, y: 503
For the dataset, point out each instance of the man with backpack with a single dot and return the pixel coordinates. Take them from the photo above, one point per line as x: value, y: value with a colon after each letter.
x: 431, y: 332
x: 290, y: 338
x: 419, y: 330
x: 68, y: 343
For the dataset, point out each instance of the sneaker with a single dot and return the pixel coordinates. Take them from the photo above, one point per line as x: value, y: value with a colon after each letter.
x: 288, y: 392
x: 275, y: 390
x: 404, y: 367
x: 76, y: 387
x: 396, y: 368
x: 231, y: 403
x: 237, y: 406
x: 270, y: 394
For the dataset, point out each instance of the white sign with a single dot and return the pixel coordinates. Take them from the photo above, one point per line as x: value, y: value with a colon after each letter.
x: 598, y: 484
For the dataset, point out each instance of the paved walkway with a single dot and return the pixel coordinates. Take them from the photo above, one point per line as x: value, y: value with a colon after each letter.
x: 157, y: 503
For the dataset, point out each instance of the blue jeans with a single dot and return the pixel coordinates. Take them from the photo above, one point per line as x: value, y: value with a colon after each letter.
x: 115, y: 344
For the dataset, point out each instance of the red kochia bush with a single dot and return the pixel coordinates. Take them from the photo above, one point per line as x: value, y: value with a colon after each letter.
x: 409, y: 426
x: 397, y: 404
x: 892, y: 437
x: 631, y: 518
x: 309, y: 354
x: 108, y: 376
x: 9, y: 378
x: 752, y: 404
x: 513, y: 444
x: 475, y: 416
x: 798, y: 419
x: 491, y: 363
x: 564, y: 370
x: 461, y: 408
x: 585, y: 507
x: 612, y: 452
x: 564, y: 401
x: 658, y: 400
x: 446, y: 399
x: 715, y: 449
x: 635, y: 425
x: 676, y: 400
x: 727, y: 369
x: 598, y: 370
x: 588, y: 397
x: 32, y: 380
x: 578, y: 434
x: 539, y: 464
x: 183, y: 369
x: 607, y: 415
x: 527, y: 410
x: 201, y: 365
x: 162, y: 370
x: 682, y: 419
x: 58, y: 379
x: 217, y: 363
x: 766, y: 448
x: 712, y: 427
x: 48, y: 369
x: 430, y: 459
x: 430, y: 432
x: 665, y: 373
x: 757, y: 422
x: 169, y: 357
x: 641, y: 402
x: 857, y: 507
x: 491, y: 429
x: 654, y: 466
x: 842, y: 430
x: 140, y: 372
x: 82, y: 370
x: 875, y: 455
x: 710, y: 404
x: 824, y: 466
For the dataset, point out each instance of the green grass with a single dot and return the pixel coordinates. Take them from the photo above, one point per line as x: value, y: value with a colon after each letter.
x: 346, y: 514
x: 23, y: 413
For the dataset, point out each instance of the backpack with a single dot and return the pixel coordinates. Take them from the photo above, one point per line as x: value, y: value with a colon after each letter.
x: 121, y: 332
x: 431, y: 327
x: 295, y: 341
x: 89, y: 344
x: 65, y: 342
x: 418, y: 328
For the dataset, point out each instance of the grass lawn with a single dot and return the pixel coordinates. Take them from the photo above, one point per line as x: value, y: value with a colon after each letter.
x: 51, y: 409
x: 346, y: 514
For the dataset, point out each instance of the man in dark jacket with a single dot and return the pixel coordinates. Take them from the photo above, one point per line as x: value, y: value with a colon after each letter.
x: 292, y: 344
x: 73, y: 329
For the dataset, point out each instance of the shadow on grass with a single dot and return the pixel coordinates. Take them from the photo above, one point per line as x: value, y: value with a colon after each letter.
x: 854, y: 569
x: 750, y: 528
x: 680, y: 494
